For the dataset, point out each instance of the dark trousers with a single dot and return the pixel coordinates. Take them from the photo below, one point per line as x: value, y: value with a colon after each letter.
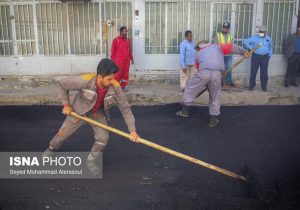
x: 293, y: 66
x: 261, y: 61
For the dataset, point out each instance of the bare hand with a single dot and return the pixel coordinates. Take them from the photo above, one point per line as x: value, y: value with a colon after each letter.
x: 184, y: 70
x: 134, y: 137
x: 67, y: 109
x: 247, y: 54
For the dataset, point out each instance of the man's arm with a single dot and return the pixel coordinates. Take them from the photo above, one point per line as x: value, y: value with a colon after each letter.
x: 248, y: 43
x: 215, y: 40
x: 286, y: 45
x: 270, y: 48
x: 182, y: 55
x: 125, y: 109
x: 113, y: 50
x: 287, y: 42
x: 126, y: 112
x: 69, y: 83
x: 238, y: 50
x: 130, y: 52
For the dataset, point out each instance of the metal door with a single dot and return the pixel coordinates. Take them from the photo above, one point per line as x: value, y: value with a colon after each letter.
x: 239, y: 15
x: 115, y: 15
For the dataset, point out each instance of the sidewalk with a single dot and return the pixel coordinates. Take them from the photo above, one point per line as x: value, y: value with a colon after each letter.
x: 18, y: 93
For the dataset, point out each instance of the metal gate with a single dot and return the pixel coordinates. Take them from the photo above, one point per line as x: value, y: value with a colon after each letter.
x: 119, y: 13
x: 240, y: 15
x: 58, y: 29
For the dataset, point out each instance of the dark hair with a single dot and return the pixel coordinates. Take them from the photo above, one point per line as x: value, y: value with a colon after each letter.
x: 107, y: 67
x: 122, y: 29
x: 187, y: 33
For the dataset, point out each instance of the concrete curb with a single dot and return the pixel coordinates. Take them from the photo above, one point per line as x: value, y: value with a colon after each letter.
x: 158, y: 94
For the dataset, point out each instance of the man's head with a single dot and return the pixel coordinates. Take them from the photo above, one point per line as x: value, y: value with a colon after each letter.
x: 106, y: 71
x: 298, y: 31
x: 123, y: 31
x: 225, y: 27
x: 188, y: 35
x: 262, y: 31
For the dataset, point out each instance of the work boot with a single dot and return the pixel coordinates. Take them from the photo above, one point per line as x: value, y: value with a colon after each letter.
x: 286, y: 84
x: 184, y: 112
x: 93, y: 168
x: 125, y: 89
x: 48, y: 152
x: 231, y: 84
x: 213, y: 121
x: 294, y: 84
x: 92, y: 157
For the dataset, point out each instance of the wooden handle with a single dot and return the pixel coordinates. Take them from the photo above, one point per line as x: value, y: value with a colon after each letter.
x: 161, y: 148
x: 234, y: 65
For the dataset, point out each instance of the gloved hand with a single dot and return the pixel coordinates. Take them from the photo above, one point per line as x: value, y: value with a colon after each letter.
x: 67, y: 109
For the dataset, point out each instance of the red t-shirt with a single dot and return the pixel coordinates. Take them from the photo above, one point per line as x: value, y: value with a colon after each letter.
x: 226, y: 48
x: 101, y: 92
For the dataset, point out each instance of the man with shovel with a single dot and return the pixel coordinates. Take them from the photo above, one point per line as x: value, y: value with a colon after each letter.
x: 211, y: 65
x: 96, y: 95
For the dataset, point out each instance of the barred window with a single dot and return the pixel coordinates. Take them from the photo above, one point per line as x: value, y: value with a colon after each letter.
x: 277, y: 17
x: 78, y: 27
x: 243, y: 22
x: 72, y: 28
x: 166, y: 22
x: 6, y: 39
x: 121, y: 14
x: 155, y: 27
x: 84, y: 28
x: 221, y: 13
x: 52, y: 28
x: 25, y: 37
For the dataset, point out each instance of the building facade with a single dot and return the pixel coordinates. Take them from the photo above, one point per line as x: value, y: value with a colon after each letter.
x: 51, y: 37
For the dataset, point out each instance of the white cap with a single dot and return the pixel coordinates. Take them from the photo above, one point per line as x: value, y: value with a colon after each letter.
x: 203, y: 44
x: 262, y: 28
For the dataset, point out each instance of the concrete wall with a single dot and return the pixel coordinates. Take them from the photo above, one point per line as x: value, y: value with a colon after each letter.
x: 48, y: 65
x: 147, y: 67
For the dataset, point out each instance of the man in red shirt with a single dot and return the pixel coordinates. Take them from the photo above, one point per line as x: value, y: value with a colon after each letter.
x: 121, y: 54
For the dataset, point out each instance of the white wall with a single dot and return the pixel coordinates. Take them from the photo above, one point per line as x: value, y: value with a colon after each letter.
x: 40, y: 65
x: 169, y: 64
x: 48, y: 65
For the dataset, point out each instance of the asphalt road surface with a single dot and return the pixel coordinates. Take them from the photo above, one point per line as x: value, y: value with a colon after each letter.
x: 260, y: 142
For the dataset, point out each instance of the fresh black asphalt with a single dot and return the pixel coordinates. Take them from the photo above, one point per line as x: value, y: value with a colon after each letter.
x: 259, y: 142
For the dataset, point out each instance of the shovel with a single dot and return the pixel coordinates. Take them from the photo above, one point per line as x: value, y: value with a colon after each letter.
x: 161, y: 148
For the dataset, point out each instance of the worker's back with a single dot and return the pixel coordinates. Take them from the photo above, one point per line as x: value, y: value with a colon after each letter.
x: 211, y: 58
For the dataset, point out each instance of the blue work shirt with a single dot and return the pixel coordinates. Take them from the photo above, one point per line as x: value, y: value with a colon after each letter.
x: 253, y: 41
x: 187, y: 53
x: 297, y: 49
